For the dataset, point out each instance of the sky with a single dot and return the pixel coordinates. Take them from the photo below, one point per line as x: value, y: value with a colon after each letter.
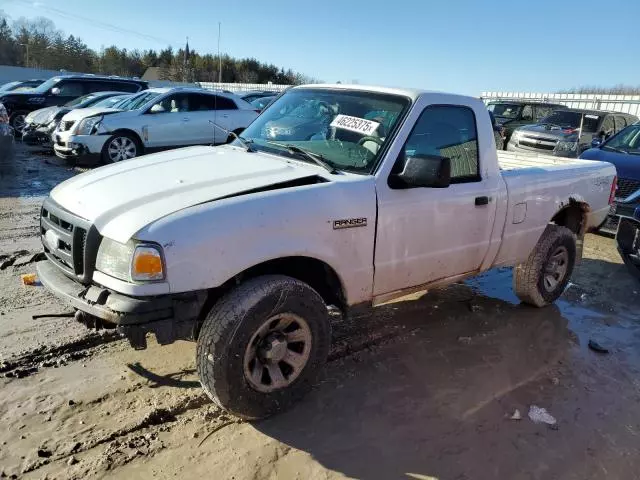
x: 461, y: 46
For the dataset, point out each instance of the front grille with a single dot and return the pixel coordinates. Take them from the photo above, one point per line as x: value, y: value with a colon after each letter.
x: 69, y: 241
x: 539, y: 143
x: 626, y: 187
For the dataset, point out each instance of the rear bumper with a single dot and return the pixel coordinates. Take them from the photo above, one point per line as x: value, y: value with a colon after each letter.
x: 169, y: 317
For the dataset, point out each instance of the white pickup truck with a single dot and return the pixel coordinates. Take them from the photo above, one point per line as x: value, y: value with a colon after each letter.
x: 336, y: 195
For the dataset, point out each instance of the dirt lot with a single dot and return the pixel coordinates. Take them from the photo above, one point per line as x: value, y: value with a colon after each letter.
x: 424, y: 388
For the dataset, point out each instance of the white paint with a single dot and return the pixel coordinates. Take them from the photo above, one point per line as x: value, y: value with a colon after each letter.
x: 424, y: 236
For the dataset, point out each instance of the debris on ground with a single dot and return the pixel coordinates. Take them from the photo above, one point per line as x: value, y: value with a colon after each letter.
x: 516, y: 415
x: 540, y: 415
x: 466, y: 340
x: 596, y: 347
x: 29, y: 279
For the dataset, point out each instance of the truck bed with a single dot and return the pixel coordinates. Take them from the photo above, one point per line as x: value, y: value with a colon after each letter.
x: 513, y: 160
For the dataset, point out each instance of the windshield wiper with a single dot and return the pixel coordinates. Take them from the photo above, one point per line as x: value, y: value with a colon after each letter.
x: 314, y: 157
x: 246, y: 142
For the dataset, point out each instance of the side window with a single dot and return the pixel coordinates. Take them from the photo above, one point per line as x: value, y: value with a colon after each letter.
x: 177, y: 103
x: 448, y: 131
x: 70, y: 88
x: 542, y: 111
x: 199, y: 102
x: 105, y: 85
x: 527, y: 112
x: 225, y: 103
x: 621, y: 122
x: 607, y: 126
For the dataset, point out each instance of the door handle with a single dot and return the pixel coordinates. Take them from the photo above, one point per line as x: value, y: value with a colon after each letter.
x: 482, y: 201
x: 225, y: 116
x: 185, y: 119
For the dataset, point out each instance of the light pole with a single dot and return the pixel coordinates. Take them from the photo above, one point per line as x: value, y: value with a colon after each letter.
x: 219, y: 57
x: 27, y: 46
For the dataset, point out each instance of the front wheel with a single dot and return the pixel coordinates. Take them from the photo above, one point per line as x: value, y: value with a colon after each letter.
x: 17, y: 121
x: 544, y: 276
x: 262, y: 346
x: 121, y: 146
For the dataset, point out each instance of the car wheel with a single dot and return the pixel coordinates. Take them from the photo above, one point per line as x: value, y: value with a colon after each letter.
x: 121, y: 146
x: 628, y: 242
x: 544, y: 276
x: 262, y: 346
x: 17, y: 121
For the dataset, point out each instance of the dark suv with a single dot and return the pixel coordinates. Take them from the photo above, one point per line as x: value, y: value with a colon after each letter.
x: 60, y: 90
x: 511, y: 114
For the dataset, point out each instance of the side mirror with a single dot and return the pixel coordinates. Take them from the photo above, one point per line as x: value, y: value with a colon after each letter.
x: 596, y: 142
x: 422, y: 171
x: 55, y: 91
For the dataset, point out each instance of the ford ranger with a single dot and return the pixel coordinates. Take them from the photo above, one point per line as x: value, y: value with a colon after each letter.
x: 242, y: 248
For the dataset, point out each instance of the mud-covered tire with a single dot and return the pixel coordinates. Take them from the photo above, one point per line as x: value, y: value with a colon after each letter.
x: 230, y: 326
x: 529, y: 277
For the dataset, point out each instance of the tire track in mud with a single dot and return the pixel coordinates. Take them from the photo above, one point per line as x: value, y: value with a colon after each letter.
x: 57, y: 355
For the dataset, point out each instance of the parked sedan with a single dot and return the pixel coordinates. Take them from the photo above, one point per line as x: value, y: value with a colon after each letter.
x: 623, y: 151
x: 40, y: 124
x: 156, y: 119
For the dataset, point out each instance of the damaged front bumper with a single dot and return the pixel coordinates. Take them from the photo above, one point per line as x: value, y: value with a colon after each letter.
x: 168, y: 317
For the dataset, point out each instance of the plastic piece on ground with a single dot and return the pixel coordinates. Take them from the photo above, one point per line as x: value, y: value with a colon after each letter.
x: 540, y: 415
x: 29, y: 279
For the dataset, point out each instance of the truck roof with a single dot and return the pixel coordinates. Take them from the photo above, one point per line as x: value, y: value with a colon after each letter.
x: 412, y: 93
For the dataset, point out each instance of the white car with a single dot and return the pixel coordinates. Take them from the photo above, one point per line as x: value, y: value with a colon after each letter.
x: 155, y: 119
x: 375, y: 193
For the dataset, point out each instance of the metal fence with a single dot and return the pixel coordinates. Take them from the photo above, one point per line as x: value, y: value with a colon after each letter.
x: 615, y: 103
x: 243, y: 87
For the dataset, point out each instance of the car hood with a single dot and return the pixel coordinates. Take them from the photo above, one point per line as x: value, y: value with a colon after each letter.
x: 546, y: 131
x: 121, y: 199
x: 81, y: 113
x: 38, y: 117
x: 627, y: 165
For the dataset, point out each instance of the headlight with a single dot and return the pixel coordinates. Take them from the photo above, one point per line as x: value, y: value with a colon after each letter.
x: 562, y: 146
x: 88, y: 125
x: 130, y: 262
x: 515, y: 136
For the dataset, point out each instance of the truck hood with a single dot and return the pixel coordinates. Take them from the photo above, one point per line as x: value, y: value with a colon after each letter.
x: 121, y: 199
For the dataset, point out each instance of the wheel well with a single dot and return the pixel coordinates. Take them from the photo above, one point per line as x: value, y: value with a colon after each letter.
x: 315, y: 273
x: 573, y: 216
x: 129, y: 132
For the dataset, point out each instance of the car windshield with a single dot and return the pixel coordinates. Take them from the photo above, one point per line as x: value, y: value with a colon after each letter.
x: 506, y: 110
x: 136, y: 101
x: 81, y: 100
x: 8, y: 86
x: 48, y: 85
x: 627, y: 141
x: 567, y: 119
x: 111, y: 102
x: 346, y: 129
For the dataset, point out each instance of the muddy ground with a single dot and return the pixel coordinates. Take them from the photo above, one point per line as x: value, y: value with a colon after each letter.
x: 423, y: 388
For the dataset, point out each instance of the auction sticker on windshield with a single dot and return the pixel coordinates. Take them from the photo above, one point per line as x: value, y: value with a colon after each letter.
x: 355, y: 124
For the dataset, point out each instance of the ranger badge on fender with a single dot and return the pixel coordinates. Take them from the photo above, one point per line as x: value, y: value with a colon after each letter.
x: 349, y: 223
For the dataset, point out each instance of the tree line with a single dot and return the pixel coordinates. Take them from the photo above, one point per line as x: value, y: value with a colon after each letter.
x: 615, y: 90
x: 37, y: 43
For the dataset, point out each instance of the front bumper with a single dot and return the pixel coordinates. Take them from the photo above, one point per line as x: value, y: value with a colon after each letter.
x: 168, y: 317
x: 37, y: 137
x: 78, y: 146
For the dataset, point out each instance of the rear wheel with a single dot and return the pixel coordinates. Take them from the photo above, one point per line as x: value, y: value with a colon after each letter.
x: 262, y: 346
x: 121, y: 146
x: 628, y: 241
x: 544, y: 276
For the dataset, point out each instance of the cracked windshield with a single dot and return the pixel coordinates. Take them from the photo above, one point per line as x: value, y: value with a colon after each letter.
x: 327, y: 240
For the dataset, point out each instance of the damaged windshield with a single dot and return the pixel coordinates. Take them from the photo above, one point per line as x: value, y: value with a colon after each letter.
x: 344, y: 129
